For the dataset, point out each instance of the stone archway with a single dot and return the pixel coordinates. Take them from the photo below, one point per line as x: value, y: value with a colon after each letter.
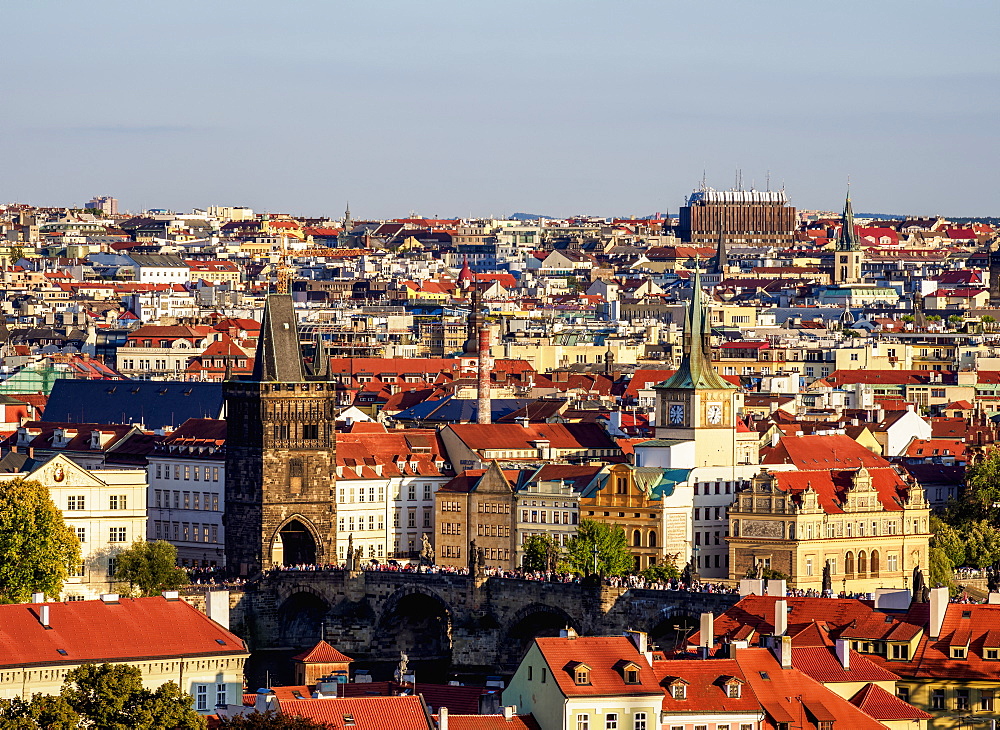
x: 294, y: 543
x: 532, y: 621
x: 416, y: 622
x: 300, y: 619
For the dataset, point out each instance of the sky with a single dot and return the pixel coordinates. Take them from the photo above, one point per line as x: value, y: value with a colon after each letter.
x: 467, y: 108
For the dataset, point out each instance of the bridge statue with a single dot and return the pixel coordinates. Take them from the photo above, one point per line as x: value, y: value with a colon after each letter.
x: 426, y: 551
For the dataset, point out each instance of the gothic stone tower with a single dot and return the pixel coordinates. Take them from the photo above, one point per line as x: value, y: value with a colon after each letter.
x: 848, y: 256
x: 280, y: 455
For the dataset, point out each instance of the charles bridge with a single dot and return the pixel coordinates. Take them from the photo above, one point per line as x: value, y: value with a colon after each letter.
x: 467, y: 621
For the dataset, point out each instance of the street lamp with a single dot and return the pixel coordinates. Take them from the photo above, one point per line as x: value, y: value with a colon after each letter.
x: 594, y: 552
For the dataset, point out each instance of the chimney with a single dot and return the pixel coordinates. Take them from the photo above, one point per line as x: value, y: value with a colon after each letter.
x: 508, y: 712
x: 707, y: 630
x: 776, y: 588
x: 217, y: 607
x: 484, y: 411
x: 783, y: 648
x: 43, y: 616
x: 844, y: 653
x: 939, y: 606
x: 264, y: 698
x: 639, y: 639
x: 780, y: 617
x: 442, y: 718
x: 38, y: 598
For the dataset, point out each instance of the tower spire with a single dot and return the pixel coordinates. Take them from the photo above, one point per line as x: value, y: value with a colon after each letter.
x: 696, y: 369
x: 848, y: 239
x: 279, y: 355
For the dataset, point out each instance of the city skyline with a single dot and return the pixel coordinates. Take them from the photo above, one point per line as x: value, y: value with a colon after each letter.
x: 475, y: 110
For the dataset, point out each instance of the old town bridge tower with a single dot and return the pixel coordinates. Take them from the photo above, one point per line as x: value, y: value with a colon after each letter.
x: 280, y: 454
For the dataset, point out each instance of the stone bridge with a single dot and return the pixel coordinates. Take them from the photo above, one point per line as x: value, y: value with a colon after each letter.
x: 471, y: 623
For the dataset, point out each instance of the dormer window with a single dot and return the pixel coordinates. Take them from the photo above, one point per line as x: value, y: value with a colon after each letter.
x: 630, y: 673
x: 734, y: 688
x: 959, y: 652
x: 678, y: 692
x: 581, y: 674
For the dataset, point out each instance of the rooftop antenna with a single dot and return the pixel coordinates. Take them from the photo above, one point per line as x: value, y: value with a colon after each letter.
x: 768, y: 179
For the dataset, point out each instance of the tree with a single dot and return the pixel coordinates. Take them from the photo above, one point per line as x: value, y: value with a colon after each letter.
x: 269, y: 720
x: 541, y: 552
x: 933, y: 317
x: 982, y: 544
x: 908, y: 318
x: 42, y: 712
x: 955, y: 318
x: 16, y: 254
x: 661, y: 572
x: 36, y: 546
x: 982, y: 492
x: 949, y: 540
x: 987, y: 319
x: 940, y: 569
x: 150, y: 568
x: 112, y: 696
x: 613, y: 556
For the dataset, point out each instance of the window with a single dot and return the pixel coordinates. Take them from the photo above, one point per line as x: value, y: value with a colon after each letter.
x: 117, y: 534
x: 76, y: 502
x: 411, y: 518
x: 583, y: 722
x: 825, y: 725
x: 961, y: 699
x: 611, y: 721
x: 733, y: 690
x: 201, y: 696
x: 112, y: 567
x: 77, y: 570
x: 81, y: 533
x: 900, y: 651
x: 639, y: 721
x: 937, y: 699
x: 903, y: 693
x: 221, y: 700
x: 678, y: 691
x: 958, y: 652
x: 581, y: 674
x: 986, y: 700
x: 632, y: 675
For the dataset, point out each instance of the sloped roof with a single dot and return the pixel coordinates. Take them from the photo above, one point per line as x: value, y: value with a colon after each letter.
x: 154, y: 403
x: 398, y: 713
x: 95, y: 631
x: 876, y: 702
x: 321, y: 653
x: 603, y: 655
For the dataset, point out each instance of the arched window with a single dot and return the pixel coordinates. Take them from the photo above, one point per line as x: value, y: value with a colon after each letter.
x: 636, y: 538
x: 652, y: 538
x: 849, y: 563
x: 874, y: 564
x: 862, y: 562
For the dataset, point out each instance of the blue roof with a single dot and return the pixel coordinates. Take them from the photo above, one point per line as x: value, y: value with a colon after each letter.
x: 150, y: 402
x: 455, y: 410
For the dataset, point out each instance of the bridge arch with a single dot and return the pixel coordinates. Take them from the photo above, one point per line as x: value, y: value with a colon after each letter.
x: 301, y: 616
x: 529, y: 622
x: 415, y: 620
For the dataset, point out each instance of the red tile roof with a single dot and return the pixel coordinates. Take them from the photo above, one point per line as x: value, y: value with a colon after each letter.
x: 876, y: 702
x: 95, y: 631
x: 322, y: 653
x: 821, y: 663
x: 604, y: 655
x: 491, y: 722
x: 365, y: 713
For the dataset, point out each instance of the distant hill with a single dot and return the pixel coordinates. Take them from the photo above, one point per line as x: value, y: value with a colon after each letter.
x: 527, y: 217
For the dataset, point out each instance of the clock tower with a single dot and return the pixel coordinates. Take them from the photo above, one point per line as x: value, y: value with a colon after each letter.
x: 696, y: 403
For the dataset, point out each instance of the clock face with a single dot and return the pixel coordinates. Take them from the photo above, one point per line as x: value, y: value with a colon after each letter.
x: 714, y: 413
x: 677, y: 413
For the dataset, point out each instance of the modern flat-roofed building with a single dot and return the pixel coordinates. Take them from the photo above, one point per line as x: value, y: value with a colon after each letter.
x: 744, y: 217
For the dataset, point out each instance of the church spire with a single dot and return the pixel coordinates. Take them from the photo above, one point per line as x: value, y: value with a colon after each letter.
x: 696, y: 369
x: 848, y: 239
x: 721, y: 256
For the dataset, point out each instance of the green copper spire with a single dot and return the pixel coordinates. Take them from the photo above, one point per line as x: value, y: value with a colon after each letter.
x: 848, y: 239
x: 696, y: 369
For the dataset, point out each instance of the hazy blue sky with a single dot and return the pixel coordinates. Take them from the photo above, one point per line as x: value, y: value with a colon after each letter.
x: 467, y: 107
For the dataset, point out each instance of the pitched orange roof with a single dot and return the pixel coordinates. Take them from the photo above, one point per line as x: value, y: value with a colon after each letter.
x: 876, y: 702
x: 605, y: 656
x: 95, y: 631
x: 398, y: 713
x: 322, y: 653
